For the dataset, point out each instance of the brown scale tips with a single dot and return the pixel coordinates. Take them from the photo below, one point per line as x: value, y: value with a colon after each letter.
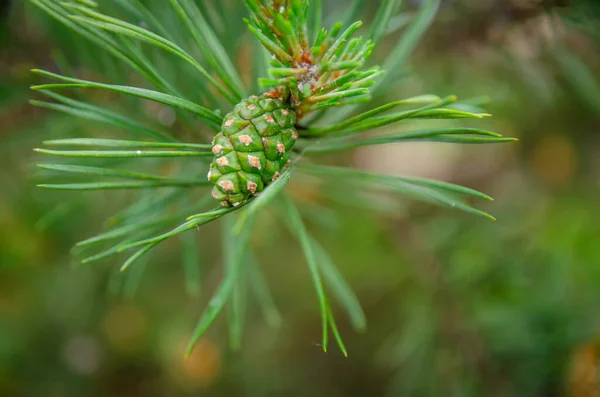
x: 252, y: 148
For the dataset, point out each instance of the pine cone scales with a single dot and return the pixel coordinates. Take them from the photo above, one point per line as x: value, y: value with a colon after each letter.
x: 251, y: 149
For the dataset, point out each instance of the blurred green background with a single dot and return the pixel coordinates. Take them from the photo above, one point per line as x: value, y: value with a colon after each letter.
x: 456, y: 305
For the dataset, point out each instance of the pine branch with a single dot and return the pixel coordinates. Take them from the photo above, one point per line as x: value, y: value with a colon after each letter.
x: 317, y: 78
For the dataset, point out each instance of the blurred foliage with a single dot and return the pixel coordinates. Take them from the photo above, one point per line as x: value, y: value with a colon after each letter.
x: 456, y: 305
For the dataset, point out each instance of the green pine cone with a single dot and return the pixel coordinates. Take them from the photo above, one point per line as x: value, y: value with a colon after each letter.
x: 251, y: 149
